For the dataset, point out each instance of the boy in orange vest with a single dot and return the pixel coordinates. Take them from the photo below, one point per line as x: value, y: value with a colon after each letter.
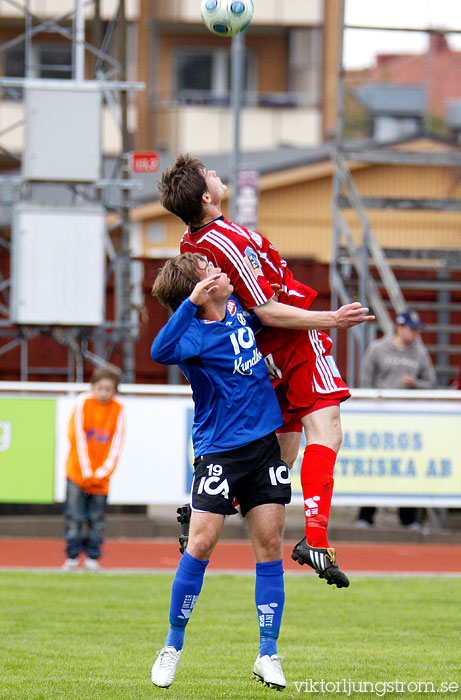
x: 96, y: 433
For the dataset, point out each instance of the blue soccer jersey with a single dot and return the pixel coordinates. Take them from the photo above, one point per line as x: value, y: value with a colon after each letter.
x: 234, y: 400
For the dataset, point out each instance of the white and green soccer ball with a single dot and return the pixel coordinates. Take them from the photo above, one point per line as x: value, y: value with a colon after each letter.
x: 227, y: 17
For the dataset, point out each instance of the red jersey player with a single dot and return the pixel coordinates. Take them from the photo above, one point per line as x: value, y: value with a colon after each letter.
x: 297, y: 353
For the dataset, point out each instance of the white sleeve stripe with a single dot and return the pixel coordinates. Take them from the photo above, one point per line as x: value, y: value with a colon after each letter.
x: 82, y: 447
x: 116, y: 447
x: 266, y: 258
x: 244, y: 271
x: 237, y: 259
x: 117, y: 443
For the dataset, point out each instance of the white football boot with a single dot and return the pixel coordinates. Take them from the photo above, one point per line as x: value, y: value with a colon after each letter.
x: 164, y: 669
x: 268, y: 670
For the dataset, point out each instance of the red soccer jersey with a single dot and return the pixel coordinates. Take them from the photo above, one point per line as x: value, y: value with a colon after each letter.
x: 250, y: 261
x: 253, y: 264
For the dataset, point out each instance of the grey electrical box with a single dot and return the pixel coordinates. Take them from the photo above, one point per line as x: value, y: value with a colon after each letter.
x: 62, y: 134
x: 58, y: 266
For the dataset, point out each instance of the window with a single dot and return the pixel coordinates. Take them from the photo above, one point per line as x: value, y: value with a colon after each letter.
x: 47, y: 61
x: 14, y: 62
x: 305, y: 65
x: 389, y: 128
x: 203, y: 76
x: 14, y: 67
x: 54, y: 61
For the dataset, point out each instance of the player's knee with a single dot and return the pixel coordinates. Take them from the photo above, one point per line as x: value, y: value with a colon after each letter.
x: 201, y: 546
x: 337, y: 437
x: 271, y: 547
x: 332, y: 434
x: 289, y: 457
x: 324, y: 428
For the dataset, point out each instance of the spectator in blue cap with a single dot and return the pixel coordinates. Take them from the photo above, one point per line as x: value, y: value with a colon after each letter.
x: 398, y: 361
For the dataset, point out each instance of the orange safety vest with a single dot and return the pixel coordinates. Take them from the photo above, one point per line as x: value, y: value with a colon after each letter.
x: 96, y: 434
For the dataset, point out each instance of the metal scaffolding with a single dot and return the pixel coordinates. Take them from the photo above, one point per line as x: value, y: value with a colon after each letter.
x: 110, y: 191
x: 361, y: 268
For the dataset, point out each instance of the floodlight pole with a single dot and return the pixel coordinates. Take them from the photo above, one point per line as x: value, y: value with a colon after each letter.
x: 237, y: 62
x: 338, y: 137
x: 79, y: 41
x: 124, y: 271
x: 28, y: 40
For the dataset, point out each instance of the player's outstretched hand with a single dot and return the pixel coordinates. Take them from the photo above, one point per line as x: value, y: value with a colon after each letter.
x: 202, y: 289
x: 351, y: 315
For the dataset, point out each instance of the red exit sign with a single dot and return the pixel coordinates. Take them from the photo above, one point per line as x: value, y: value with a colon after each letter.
x: 145, y: 162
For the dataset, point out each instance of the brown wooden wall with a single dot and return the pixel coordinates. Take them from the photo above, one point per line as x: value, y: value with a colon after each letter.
x: 45, y: 351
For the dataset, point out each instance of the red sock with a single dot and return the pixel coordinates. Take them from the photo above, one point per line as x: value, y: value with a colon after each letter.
x: 317, y: 484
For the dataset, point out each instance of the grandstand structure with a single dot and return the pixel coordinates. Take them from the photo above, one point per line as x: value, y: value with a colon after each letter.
x: 390, y: 236
x: 60, y: 199
x: 396, y: 245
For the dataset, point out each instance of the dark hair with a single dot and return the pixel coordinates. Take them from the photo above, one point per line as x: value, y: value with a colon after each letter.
x: 107, y: 372
x: 176, y: 280
x: 181, y: 189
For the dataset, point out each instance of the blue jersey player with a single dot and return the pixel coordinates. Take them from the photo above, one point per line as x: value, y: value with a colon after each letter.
x: 237, y: 455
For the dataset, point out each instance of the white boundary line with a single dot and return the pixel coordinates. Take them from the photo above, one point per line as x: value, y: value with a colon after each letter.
x: 229, y: 572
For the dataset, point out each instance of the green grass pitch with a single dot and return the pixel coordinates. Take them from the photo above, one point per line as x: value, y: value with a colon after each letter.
x: 85, y: 636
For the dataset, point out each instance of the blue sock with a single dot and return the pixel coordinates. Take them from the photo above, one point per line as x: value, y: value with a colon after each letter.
x: 270, y: 598
x: 186, y: 588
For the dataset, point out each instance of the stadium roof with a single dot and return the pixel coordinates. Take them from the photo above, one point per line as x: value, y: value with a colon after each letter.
x: 282, y: 160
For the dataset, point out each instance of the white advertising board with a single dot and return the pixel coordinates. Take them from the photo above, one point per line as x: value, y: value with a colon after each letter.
x: 403, y: 453
x: 154, y: 464
x: 393, y: 453
x: 396, y: 450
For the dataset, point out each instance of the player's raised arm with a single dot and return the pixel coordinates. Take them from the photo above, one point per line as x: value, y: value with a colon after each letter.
x: 278, y: 315
x: 174, y: 343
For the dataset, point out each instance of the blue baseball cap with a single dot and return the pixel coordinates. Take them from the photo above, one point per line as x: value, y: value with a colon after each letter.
x: 409, y: 318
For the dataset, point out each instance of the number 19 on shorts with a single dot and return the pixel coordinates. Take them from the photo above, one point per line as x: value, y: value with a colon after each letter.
x: 213, y: 483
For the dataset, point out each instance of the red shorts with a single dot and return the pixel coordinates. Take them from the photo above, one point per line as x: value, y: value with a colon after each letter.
x: 305, y: 377
x: 292, y: 419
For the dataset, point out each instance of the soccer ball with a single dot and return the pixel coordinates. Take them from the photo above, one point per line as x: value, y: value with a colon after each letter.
x: 227, y: 17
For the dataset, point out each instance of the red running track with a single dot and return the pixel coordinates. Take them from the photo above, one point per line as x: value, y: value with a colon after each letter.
x: 156, y: 554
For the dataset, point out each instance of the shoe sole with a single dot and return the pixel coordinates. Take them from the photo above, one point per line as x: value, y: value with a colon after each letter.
x: 268, y: 685
x: 338, y: 578
x: 298, y: 558
x: 157, y: 685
